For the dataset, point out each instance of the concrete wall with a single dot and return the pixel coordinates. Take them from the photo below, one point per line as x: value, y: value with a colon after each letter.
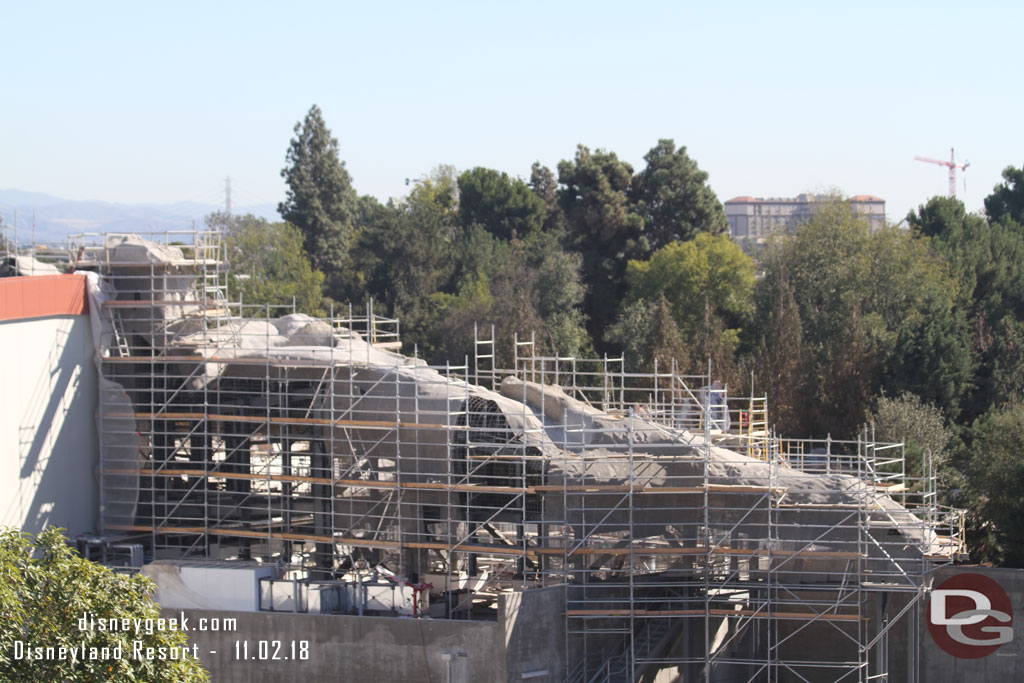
x: 527, y: 642
x: 533, y: 626
x: 351, y: 649
x: 1003, y: 666
x: 48, y: 444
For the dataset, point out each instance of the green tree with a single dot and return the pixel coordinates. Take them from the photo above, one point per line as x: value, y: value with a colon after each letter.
x: 996, y: 477
x: 364, y: 273
x: 708, y: 284
x: 877, y: 311
x: 545, y: 185
x: 267, y: 264
x: 604, y: 227
x: 45, y: 588
x: 1006, y: 203
x: 405, y: 254
x: 988, y: 261
x: 320, y: 200
x: 709, y: 274
x: 673, y: 196
x: 646, y: 331
x: 921, y: 427
x: 521, y: 286
x: 505, y: 206
x: 926, y: 340
x: 1008, y: 362
x: 559, y: 294
x: 780, y: 364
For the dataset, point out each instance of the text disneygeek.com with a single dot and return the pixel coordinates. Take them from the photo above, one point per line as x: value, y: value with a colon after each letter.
x: 143, y: 650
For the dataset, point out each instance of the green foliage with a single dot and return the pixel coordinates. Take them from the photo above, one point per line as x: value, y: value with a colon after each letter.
x: 518, y: 287
x: 876, y: 310
x: 320, y: 200
x: 925, y: 341
x: 604, y: 227
x: 1006, y: 203
x: 647, y: 333
x: 922, y: 428
x: 418, y: 253
x: 996, y: 479
x: 707, y: 284
x: 267, y: 264
x: 559, y: 292
x: 1008, y: 362
x: 595, y: 197
x: 707, y: 274
x: 545, y: 185
x: 45, y: 588
x: 988, y: 261
x: 673, y: 196
x: 403, y: 254
x: 506, y: 207
x: 987, y: 258
x: 358, y: 278
x: 781, y: 369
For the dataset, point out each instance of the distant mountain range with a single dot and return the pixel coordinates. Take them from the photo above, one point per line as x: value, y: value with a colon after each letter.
x: 56, y: 218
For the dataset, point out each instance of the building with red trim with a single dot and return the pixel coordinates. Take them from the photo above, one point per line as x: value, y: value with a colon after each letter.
x: 48, y: 394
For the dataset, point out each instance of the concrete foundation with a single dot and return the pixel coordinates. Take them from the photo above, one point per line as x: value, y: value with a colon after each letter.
x: 526, y: 642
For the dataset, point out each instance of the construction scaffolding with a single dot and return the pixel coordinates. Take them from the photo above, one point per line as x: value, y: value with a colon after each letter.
x: 688, y: 536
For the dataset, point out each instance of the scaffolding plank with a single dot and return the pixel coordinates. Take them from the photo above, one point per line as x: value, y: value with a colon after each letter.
x: 150, y: 303
x: 715, y: 612
x: 355, y: 483
x: 625, y: 488
x: 265, y: 419
x: 477, y: 548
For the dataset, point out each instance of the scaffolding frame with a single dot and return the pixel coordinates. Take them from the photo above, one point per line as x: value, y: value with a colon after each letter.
x: 678, y: 523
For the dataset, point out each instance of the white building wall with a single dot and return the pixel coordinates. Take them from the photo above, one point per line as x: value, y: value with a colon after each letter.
x: 48, y: 444
x: 204, y: 584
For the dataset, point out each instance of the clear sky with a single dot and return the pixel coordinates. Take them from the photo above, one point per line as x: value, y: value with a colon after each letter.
x: 158, y: 102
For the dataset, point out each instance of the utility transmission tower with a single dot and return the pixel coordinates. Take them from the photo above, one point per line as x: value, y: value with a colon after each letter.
x: 227, y: 195
x: 951, y: 165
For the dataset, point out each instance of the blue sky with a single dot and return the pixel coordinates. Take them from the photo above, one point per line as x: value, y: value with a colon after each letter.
x: 138, y: 102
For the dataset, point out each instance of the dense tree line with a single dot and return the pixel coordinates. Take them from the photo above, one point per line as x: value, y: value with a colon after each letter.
x: 919, y: 331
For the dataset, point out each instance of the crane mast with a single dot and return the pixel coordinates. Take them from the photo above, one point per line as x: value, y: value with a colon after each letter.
x: 951, y: 165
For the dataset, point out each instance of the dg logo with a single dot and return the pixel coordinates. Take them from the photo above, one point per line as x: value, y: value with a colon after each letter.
x: 970, y: 616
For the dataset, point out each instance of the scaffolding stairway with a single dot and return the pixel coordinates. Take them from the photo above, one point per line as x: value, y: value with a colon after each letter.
x: 649, y: 641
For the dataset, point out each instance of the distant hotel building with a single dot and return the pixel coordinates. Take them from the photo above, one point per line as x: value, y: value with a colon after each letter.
x: 754, y: 218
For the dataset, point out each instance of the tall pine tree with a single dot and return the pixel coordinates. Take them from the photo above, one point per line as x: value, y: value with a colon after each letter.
x: 320, y: 200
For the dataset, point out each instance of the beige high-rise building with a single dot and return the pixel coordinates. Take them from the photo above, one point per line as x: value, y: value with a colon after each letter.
x: 754, y: 218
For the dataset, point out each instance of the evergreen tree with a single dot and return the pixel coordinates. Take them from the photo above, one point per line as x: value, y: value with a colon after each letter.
x: 988, y: 261
x: 780, y: 363
x: 877, y: 311
x: 604, y: 228
x: 996, y: 477
x: 673, y: 196
x: 545, y: 185
x: 647, y: 331
x: 320, y: 200
x: 505, y: 206
x: 1006, y: 202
